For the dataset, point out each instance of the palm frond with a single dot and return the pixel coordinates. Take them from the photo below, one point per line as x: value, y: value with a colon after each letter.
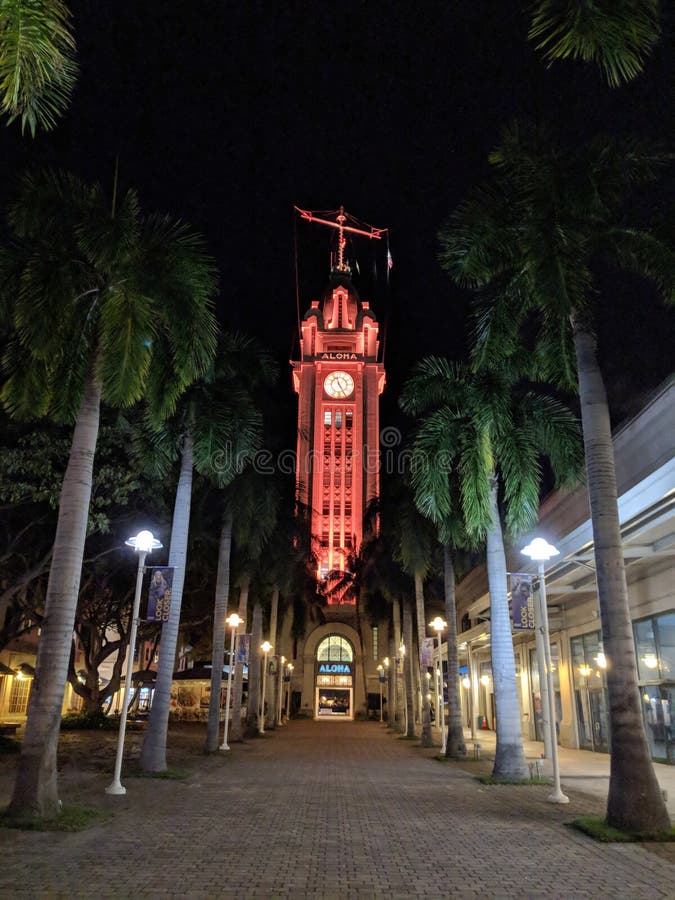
x: 617, y: 35
x: 38, y: 69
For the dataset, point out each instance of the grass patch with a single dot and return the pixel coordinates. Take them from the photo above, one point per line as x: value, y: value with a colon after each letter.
x: 599, y: 830
x: 490, y: 779
x: 172, y: 773
x: 71, y: 818
x: 9, y: 745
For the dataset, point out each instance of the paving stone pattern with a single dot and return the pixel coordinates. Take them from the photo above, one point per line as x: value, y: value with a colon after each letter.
x: 326, y: 810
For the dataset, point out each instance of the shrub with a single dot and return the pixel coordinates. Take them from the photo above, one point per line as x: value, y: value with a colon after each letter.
x: 84, y: 721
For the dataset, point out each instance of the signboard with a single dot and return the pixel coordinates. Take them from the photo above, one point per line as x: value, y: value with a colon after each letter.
x: 427, y: 653
x: 241, y: 653
x: 159, y: 594
x: 522, y: 602
x: 331, y: 668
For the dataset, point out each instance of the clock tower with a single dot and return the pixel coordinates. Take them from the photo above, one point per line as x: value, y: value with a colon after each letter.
x: 338, y: 379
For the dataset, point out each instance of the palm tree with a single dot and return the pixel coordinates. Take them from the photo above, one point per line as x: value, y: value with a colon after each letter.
x: 413, y: 549
x: 527, y: 241
x: 495, y: 431
x: 617, y: 36
x: 215, y: 430
x: 105, y: 305
x: 255, y: 503
x: 38, y: 69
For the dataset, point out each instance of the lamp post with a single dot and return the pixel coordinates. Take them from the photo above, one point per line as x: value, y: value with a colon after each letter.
x: 440, y: 625
x: 233, y: 621
x: 387, y: 676
x: 540, y: 551
x: 280, y: 687
x: 380, y: 673
x: 143, y: 543
x: 265, y: 647
x: 401, y: 651
x: 288, y: 693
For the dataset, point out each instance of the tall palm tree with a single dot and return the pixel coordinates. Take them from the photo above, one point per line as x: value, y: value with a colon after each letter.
x: 413, y: 549
x: 528, y: 241
x: 215, y: 430
x: 255, y: 515
x: 38, y: 69
x: 105, y: 305
x: 618, y: 36
x: 495, y: 431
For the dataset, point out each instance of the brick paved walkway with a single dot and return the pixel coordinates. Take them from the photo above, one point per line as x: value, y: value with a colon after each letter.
x: 326, y: 810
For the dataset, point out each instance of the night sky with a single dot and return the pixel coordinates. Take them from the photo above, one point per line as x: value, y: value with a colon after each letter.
x: 227, y: 114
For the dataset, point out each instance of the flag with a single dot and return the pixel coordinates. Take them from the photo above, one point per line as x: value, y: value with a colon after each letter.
x: 159, y: 594
x: 522, y: 602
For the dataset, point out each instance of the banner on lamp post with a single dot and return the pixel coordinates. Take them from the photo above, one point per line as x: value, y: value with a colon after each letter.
x: 522, y: 601
x: 243, y: 645
x: 159, y: 594
x: 427, y: 653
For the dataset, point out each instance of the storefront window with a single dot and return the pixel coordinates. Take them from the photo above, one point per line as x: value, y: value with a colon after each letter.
x: 655, y: 651
x: 590, y: 692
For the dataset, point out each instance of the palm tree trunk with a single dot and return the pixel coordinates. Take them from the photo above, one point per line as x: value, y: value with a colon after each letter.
x: 634, y: 802
x: 252, y: 716
x: 272, y: 684
x: 391, y: 681
x: 455, y: 748
x: 426, y: 739
x: 408, y: 669
x: 509, y: 755
x: 219, y: 629
x: 153, y: 752
x: 236, y: 732
x: 35, y: 790
x: 400, y: 694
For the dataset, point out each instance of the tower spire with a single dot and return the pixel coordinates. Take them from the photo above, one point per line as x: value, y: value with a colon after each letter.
x: 340, y: 219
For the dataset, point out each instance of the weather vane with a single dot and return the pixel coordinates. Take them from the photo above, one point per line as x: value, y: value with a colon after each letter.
x: 339, y: 222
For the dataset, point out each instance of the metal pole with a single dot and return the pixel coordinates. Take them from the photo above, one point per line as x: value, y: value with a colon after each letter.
x: 473, y: 689
x: 557, y: 796
x: 116, y: 786
x: 225, y: 745
x: 261, y: 729
x: 280, y: 690
x: 546, y: 705
x: 441, y: 694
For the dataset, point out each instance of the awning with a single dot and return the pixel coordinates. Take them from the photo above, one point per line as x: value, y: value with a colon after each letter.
x: 27, y: 670
x: 5, y: 670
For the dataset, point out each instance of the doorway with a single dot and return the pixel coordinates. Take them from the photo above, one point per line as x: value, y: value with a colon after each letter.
x: 333, y: 703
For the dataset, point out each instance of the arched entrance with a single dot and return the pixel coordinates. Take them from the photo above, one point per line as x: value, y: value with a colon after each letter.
x: 334, y: 679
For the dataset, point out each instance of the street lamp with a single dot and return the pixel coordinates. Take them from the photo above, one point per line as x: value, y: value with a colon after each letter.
x: 233, y: 621
x: 280, y: 687
x: 288, y: 693
x: 401, y: 651
x: 380, y: 672
x: 540, y: 551
x: 143, y: 543
x: 440, y: 625
x: 265, y: 647
x: 390, y: 698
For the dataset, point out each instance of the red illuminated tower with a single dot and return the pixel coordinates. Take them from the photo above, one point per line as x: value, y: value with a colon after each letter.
x: 338, y: 379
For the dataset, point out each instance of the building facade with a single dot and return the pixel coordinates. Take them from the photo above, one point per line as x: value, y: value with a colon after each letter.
x: 645, y: 464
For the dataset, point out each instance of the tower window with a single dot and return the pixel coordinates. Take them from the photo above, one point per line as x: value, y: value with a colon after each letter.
x: 327, y: 417
x: 338, y: 419
x: 348, y: 418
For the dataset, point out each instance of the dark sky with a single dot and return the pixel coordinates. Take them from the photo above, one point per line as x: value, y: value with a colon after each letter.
x: 227, y: 114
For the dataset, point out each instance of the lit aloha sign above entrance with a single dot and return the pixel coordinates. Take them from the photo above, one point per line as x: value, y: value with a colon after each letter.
x: 335, y: 668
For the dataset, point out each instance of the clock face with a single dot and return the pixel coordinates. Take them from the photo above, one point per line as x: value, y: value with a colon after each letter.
x: 339, y: 385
